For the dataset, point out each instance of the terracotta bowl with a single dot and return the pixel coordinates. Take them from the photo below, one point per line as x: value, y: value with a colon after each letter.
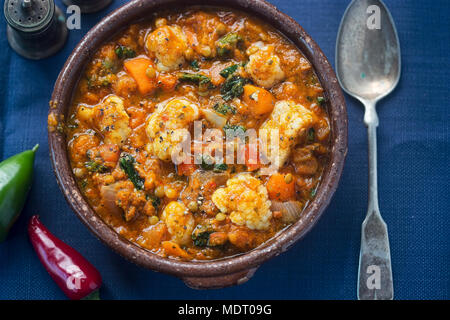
x: 199, y: 274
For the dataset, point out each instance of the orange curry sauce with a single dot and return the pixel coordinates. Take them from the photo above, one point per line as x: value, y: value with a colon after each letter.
x: 164, y: 74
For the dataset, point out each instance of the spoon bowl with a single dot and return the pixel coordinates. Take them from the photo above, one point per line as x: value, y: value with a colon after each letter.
x: 368, y: 59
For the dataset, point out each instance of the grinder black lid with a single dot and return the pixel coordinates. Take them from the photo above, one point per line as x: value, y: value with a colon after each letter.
x: 36, y: 28
x: 29, y: 16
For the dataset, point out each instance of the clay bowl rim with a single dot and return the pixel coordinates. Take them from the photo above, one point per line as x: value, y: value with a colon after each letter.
x: 60, y: 103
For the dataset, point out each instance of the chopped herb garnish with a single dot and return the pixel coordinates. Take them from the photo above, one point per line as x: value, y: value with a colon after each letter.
x: 194, y: 65
x: 124, y: 52
x: 310, y: 99
x: 126, y: 162
x: 313, y: 192
x: 229, y: 71
x: 224, y: 109
x: 94, y: 166
x: 233, y: 87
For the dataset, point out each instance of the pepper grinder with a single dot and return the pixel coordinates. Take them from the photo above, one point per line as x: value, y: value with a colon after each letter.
x: 88, y: 6
x: 36, y: 28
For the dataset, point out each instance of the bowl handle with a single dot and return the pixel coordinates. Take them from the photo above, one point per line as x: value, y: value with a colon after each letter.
x: 216, y: 282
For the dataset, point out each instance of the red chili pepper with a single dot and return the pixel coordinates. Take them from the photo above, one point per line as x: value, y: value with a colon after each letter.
x: 69, y: 269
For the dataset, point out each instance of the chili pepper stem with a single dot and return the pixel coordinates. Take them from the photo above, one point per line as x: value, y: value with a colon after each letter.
x: 95, y: 295
x: 35, y: 148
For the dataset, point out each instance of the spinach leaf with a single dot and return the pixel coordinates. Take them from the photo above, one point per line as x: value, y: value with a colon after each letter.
x: 229, y: 71
x: 154, y: 199
x: 200, y: 236
x: 200, y: 79
x: 219, y: 167
x: 227, y: 43
x: 207, y: 163
x: 233, y: 129
x: 224, y: 109
x: 126, y: 162
x: 233, y: 87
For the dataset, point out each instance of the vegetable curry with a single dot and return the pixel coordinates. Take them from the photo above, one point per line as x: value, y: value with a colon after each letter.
x: 225, y: 71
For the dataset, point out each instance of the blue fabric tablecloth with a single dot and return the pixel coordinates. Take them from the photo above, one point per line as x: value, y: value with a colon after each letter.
x: 414, y: 146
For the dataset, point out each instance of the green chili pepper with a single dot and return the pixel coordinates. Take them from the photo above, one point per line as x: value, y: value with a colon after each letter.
x: 15, y: 182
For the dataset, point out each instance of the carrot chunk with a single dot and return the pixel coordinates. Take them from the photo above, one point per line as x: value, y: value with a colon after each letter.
x: 259, y: 100
x: 281, y: 187
x: 137, y: 68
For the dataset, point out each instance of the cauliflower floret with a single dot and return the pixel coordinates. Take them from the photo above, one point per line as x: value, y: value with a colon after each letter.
x: 264, y: 65
x: 179, y: 221
x: 245, y: 199
x: 168, y: 44
x: 291, y: 120
x: 109, y: 118
x: 167, y: 127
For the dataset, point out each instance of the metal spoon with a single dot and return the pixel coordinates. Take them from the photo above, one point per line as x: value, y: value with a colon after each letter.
x: 368, y: 68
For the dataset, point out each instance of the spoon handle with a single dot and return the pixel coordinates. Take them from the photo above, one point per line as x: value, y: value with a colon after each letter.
x: 375, y: 273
